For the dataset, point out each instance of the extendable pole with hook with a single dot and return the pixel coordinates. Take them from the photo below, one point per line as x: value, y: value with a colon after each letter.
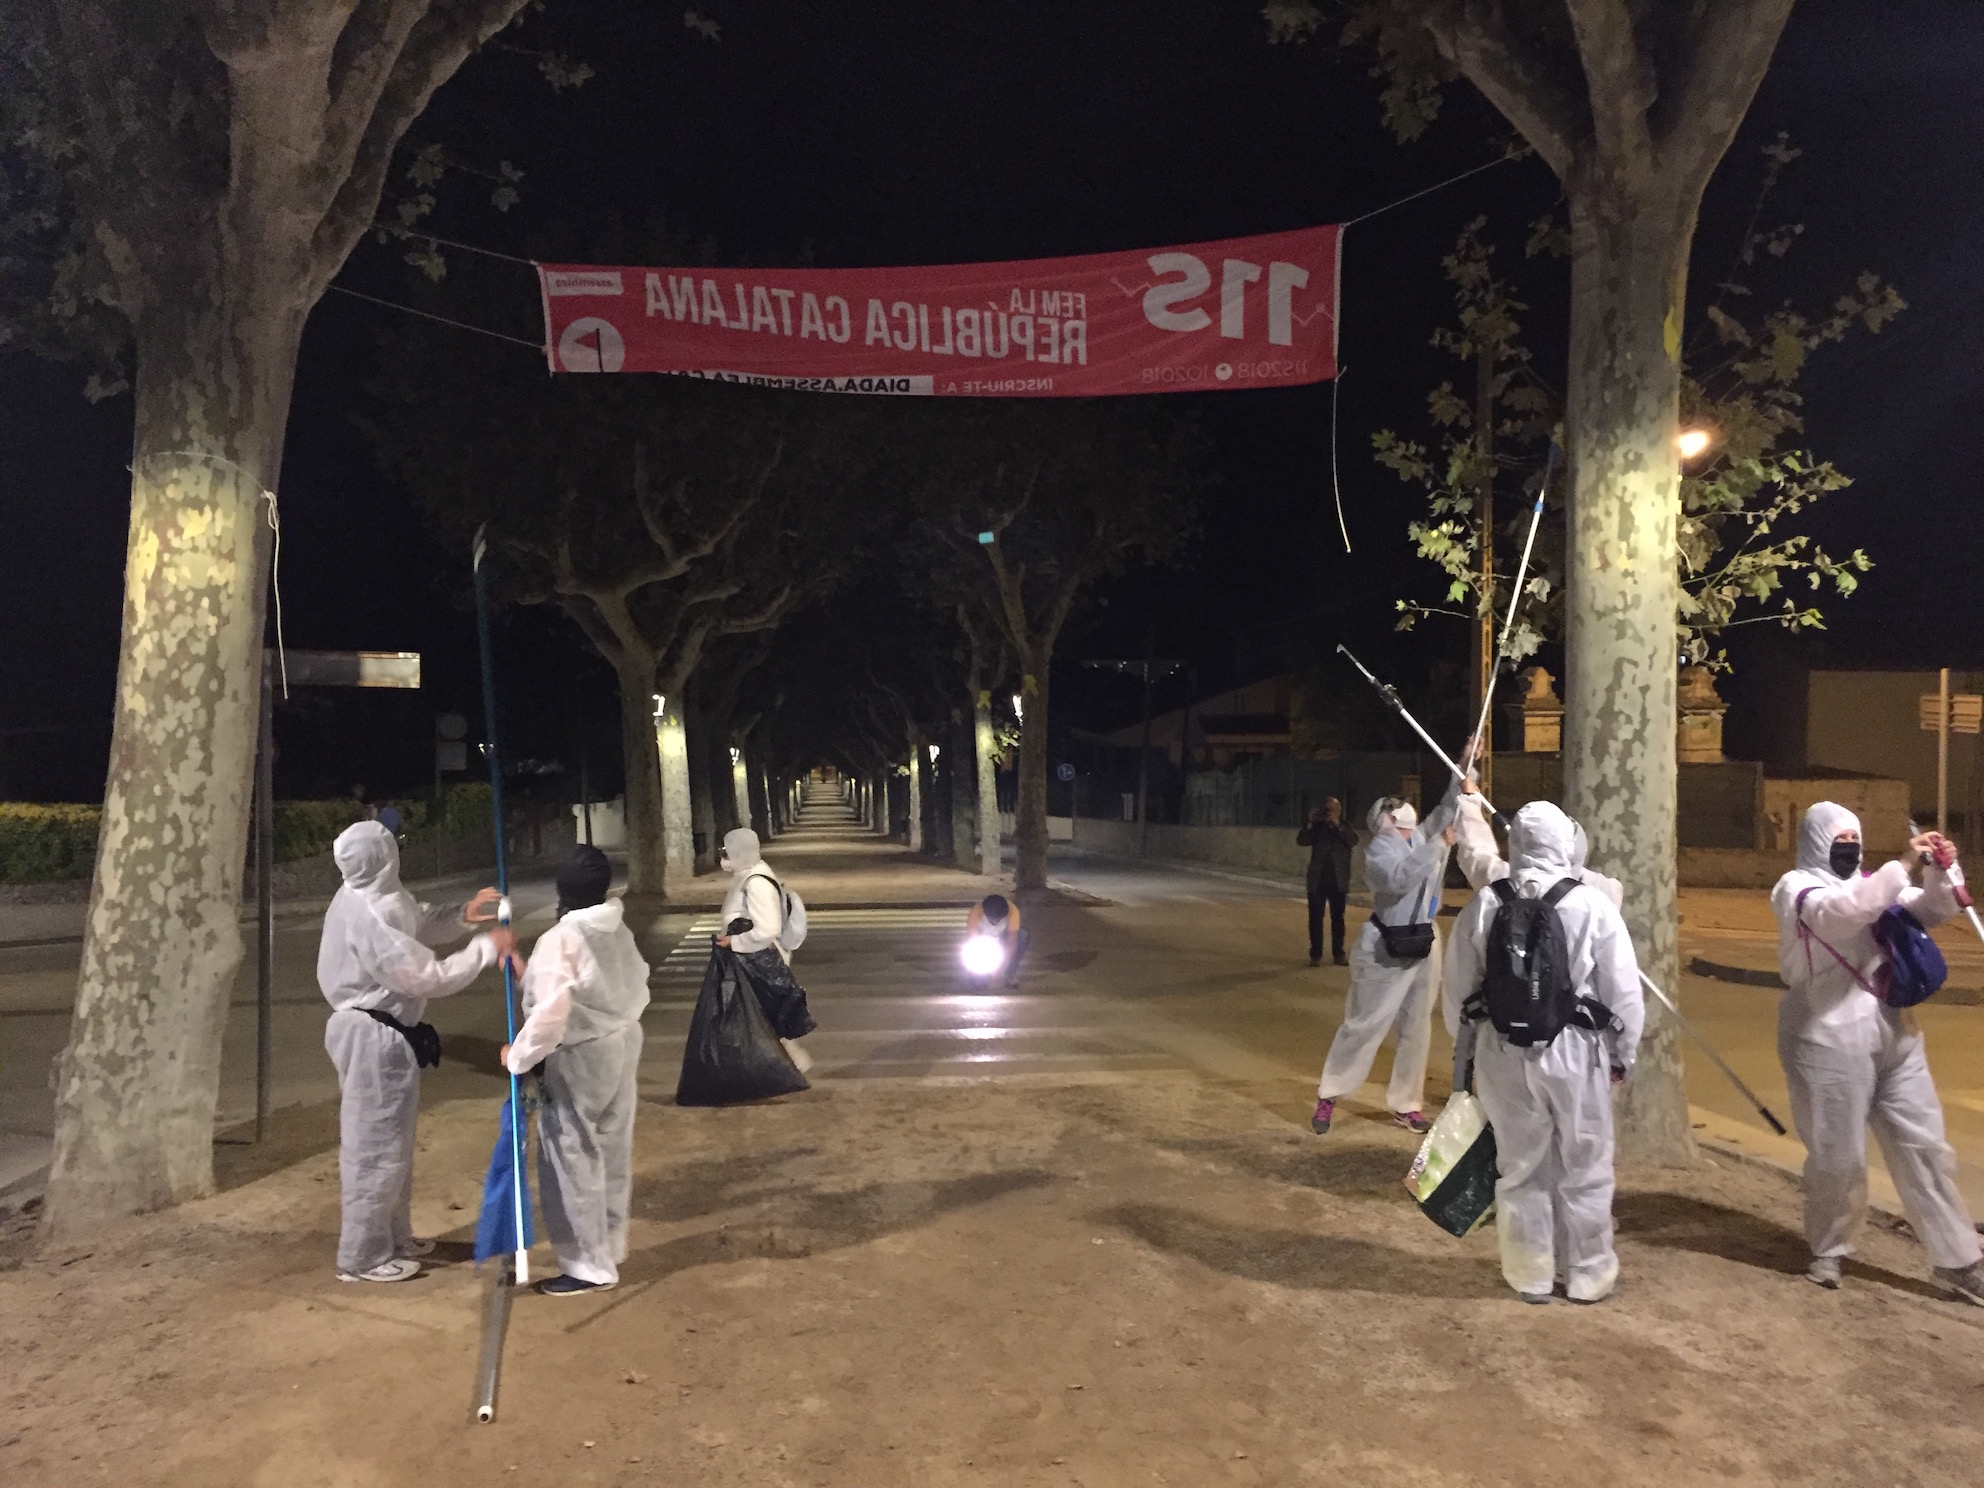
x: 1515, y: 599
x: 1390, y: 695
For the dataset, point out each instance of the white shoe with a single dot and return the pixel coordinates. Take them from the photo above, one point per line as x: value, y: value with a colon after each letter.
x: 1824, y: 1271
x: 393, y: 1270
x: 413, y: 1247
x: 801, y: 1060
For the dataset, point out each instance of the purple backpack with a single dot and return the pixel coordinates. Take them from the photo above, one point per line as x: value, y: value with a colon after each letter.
x: 1913, y: 969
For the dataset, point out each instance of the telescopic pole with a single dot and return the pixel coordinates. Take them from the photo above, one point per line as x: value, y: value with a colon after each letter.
x: 1515, y: 599
x: 1391, y: 698
x: 503, y: 891
x: 1720, y: 1063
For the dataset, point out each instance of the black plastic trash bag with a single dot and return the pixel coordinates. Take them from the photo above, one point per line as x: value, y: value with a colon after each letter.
x: 733, y: 1053
x: 783, y: 999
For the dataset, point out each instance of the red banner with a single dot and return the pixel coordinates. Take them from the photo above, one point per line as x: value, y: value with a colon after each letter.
x: 1244, y: 312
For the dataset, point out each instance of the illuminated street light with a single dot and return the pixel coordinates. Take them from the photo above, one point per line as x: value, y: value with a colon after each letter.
x: 1019, y: 711
x: 1692, y: 442
x: 934, y: 750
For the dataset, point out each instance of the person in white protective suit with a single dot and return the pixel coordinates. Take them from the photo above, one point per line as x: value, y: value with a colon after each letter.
x: 583, y: 994
x: 756, y: 895
x: 1403, y: 868
x: 1851, y: 1061
x: 377, y: 973
x: 1481, y: 861
x: 1551, y: 1104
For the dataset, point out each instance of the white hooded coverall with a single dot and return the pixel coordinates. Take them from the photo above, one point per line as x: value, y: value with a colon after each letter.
x: 1850, y: 1060
x: 374, y: 955
x: 583, y: 995
x: 1551, y: 1104
x: 1403, y: 875
x: 753, y: 895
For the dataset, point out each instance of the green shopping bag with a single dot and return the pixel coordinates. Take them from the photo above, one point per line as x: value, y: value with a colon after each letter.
x: 1453, y: 1177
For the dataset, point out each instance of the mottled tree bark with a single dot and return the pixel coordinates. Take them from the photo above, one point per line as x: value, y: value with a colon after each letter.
x: 136, y: 1088
x: 227, y: 159
x: 1633, y: 114
x: 642, y: 766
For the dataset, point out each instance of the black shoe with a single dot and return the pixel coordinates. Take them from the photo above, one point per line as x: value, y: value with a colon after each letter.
x: 1340, y: 959
x: 1316, y: 959
x: 571, y: 1286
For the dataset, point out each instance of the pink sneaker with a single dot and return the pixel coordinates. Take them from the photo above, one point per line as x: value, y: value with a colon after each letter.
x: 1412, y: 1121
x: 1320, y: 1122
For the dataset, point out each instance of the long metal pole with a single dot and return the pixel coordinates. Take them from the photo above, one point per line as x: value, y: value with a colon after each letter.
x: 265, y: 908
x: 1943, y: 751
x: 495, y: 1327
x: 1720, y: 1063
x: 503, y: 891
x: 1515, y: 600
x: 1392, y: 701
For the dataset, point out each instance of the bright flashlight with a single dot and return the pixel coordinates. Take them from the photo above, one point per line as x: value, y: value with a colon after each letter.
x: 982, y: 954
x: 1692, y: 442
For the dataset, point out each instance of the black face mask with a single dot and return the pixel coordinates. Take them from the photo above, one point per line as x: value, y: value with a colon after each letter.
x: 1845, y: 859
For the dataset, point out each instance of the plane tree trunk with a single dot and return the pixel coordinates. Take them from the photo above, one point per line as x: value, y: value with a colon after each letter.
x: 213, y: 236
x: 1633, y: 109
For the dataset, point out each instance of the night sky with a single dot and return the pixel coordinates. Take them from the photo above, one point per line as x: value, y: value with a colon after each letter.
x: 936, y: 132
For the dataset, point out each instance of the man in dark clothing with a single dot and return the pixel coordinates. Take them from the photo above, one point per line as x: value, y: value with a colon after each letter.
x: 1329, y: 842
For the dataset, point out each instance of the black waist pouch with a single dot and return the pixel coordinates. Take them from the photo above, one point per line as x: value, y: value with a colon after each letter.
x: 423, y: 1038
x: 1413, y: 942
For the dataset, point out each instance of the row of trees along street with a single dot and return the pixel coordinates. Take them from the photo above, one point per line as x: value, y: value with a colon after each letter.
x: 186, y: 180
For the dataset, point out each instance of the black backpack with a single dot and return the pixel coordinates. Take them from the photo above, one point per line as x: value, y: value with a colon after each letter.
x: 1526, y: 990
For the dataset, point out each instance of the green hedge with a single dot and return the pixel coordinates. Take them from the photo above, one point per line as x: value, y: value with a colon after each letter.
x: 50, y: 844
x: 46, y: 844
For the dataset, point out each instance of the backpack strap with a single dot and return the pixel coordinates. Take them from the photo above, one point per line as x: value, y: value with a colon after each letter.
x: 1559, y: 889
x: 1503, y: 888
x: 1807, y: 934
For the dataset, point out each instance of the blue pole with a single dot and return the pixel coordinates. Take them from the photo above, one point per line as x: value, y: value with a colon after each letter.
x: 503, y: 889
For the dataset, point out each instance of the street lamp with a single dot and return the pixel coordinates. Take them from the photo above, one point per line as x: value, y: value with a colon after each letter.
x: 1019, y: 710
x: 934, y: 751
x: 1692, y: 442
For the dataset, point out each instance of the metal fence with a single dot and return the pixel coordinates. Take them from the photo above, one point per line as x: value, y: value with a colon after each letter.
x: 1282, y: 792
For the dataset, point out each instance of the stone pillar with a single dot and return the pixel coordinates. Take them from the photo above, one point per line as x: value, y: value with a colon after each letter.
x: 1698, y: 737
x: 1537, y: 720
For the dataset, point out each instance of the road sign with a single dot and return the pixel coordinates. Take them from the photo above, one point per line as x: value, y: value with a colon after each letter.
x: 1064, y: 772
x: 1966, y: 712
x: 349, y: 668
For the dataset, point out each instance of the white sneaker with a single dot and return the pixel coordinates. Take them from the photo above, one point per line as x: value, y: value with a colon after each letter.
x: 1824, y: 1271
x: 801, y: 1060
x: 413, y: 1247
x: 393, y: 1270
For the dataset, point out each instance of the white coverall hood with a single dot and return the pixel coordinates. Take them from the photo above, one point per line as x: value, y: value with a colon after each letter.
x: 1823, y: 822
x: 742, y: 851
x: 1543, y: 846
x: 368, y: 856
x: 1388, y: 814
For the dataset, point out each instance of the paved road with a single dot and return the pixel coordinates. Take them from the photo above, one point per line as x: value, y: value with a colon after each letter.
x: 1169, y: 968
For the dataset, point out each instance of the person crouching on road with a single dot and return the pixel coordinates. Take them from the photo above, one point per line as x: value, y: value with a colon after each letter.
x: 583, y: 994
x: 757, y: 898
x: 1550, y: 1101
x: 999, y: 917
x: 1329, y: 842
x: 1394, y: 967
x: 378, y: 975
x: 1852, y: 1061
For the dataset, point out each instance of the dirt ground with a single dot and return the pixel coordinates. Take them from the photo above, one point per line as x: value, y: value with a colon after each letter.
x: 1098, y: 1282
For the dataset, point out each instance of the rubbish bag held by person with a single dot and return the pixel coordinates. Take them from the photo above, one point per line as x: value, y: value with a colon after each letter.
x: 733, y: 1053
x: 1852, y: 1062
x: 377, y: 973
x: 583, y: 994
